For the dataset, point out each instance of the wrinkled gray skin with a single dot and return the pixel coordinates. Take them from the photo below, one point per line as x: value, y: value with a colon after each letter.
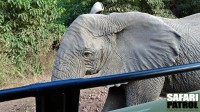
x: 127, y: 42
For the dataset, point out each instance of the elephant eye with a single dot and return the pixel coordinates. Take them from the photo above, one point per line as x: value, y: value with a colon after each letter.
x: 87, y: 54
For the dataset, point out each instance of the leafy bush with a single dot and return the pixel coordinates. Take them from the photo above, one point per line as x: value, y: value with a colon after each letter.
x: 155, y: 7
x: 76, y: 7
x: 27, y: 30
x: 182, y: 8
x: 164, y: 8
x: 7, y: 70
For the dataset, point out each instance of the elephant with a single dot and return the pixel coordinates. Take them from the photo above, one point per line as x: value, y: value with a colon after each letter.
x: 127, y: 42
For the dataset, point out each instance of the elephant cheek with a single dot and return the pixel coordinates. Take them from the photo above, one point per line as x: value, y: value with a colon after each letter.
x: 69, y: 69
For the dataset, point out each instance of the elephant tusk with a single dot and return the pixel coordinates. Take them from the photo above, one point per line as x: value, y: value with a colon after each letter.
x: 108, y: 86
x: 116, y: 85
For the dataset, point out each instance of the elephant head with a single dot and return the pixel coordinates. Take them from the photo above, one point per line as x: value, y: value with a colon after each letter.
x: 115, y: 43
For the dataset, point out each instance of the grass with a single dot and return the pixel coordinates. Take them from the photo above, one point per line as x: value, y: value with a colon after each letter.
x: 7, y: 70
x: 10, y: 74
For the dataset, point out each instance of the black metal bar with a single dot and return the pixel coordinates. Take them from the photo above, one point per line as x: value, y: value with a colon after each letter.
x: 72, y: 100
x: 67, y: 85
x: 50, y: 103
x: 40, y: 103
x: 59, y: 102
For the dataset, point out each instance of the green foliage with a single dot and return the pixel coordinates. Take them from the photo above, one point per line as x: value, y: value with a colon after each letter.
x: 19, y: 14
x: 74, y: 8
x: 27, y: 30
x: 155, y: 7
x: 182, y: 8
x: 7, y: 70
x: 163, y: 8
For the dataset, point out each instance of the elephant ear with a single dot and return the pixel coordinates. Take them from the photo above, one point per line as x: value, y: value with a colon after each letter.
x: 146, y: 42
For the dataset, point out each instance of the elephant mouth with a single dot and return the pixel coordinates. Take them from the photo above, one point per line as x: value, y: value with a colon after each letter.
x: 91, y: 72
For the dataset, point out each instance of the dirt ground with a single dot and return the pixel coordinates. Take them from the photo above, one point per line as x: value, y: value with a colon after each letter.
x: 91, y: 100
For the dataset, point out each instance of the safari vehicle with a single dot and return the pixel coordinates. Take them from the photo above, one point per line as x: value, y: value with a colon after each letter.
x: 66, y: 92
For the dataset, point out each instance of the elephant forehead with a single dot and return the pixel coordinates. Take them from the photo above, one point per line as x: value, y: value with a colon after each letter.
x: 81, y: 39
x: 93, y: 43
x: 71, y: 40
x: 88, y: 41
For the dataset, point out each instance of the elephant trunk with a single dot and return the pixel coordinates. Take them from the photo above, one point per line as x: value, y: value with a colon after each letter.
x: 67, y: 67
